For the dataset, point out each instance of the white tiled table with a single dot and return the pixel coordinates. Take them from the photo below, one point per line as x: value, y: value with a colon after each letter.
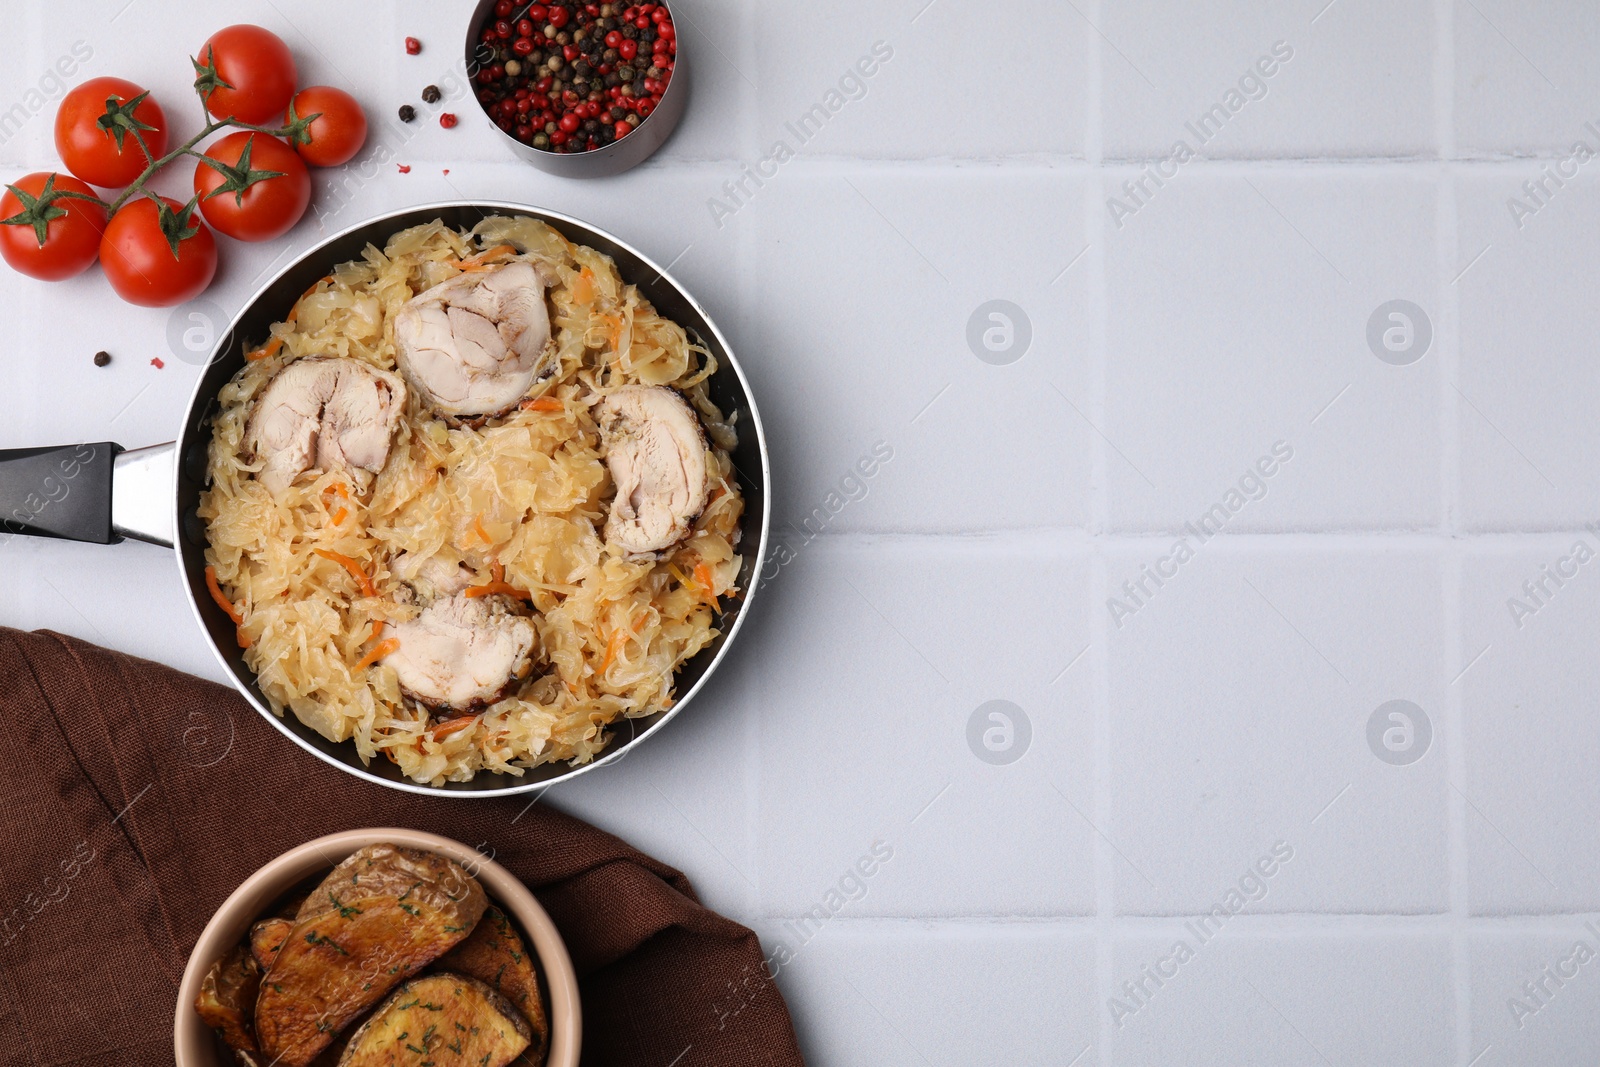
x: 1171, y: 746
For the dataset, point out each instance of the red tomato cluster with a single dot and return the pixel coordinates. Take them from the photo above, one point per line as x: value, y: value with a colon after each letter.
x: 571, y: 77
x: 251, y: 185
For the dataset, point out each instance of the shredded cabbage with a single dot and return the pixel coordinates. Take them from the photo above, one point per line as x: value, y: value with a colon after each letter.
x: 613, y: 630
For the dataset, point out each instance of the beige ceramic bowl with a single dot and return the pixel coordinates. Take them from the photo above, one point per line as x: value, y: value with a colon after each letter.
x: 193, y: 1042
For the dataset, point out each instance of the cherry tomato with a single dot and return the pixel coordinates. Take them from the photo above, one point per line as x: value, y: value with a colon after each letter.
x: 71, y: 240
x: 258, y: 66
x: 268, y: 207
x: 89, y: 150
x: 341, y: 131
x: 138, y: 258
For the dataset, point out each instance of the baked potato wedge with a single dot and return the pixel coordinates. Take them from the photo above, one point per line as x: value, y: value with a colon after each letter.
x: 494, y: 954
x: 227, y: 998
x: 442, y: 1020
x: 266, y: 938
x: 374, y: 921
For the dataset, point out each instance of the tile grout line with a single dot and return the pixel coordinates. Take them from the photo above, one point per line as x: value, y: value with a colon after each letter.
x: 1265, y: 925
x: 1455, y: 811
x: 1079, y: 538
x: 1095, y: 289
x: 1447, y: 337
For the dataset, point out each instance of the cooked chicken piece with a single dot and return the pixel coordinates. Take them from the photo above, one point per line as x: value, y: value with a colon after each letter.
x: 462, y: 652
x: 657, y: 454
x: 431, y: 576
x: 474, y: 345
x: 326, y: 413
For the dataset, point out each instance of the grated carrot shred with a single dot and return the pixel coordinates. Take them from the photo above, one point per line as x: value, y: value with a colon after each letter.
x: 702, y: 576
x: 497, y: 584
x: 222, y: 601
x: 271, y: 347
x: 477, y: 528
x: 450, y: 726
x: 353, y: 567
x: 340, y: 515
x: 583, y: 288
x: 544, y: 403
x: 473, y: 592
x: 613, y: 646
x: 480, y: 260
x: 268, y: 349
x: 377, y: 652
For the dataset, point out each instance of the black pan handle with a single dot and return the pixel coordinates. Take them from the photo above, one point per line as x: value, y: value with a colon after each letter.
x: 90, y: 492
x: 58, y: 492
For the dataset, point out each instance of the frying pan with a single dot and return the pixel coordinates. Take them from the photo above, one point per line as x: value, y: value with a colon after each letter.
x: 103, y: 493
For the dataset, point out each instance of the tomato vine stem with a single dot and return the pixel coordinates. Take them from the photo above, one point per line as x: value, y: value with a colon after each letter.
x: 137, y: 187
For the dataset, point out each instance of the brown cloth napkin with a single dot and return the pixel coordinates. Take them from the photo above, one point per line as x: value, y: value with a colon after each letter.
x: 134, y: 799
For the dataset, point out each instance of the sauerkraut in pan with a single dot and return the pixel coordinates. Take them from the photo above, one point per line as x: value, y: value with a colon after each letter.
x: 471, y: 503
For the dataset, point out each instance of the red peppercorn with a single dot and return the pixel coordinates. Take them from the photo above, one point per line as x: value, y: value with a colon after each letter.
x: 413, y: 46
x: 592, y: 9
x: 524, y: 28
x: 569, y: 122
x: 628, y: 49
x: 622, y: 129
x: 522, y: 46
x: 524, y: 132
x: 666, y: 30
x: 560, y: 137
x: 570, y: 52
x: 447, y: 120
x: 613, y: 39
x: 503, y: 8
x: 538, y: 12
x: 559, y: 17
x: 642, y: 23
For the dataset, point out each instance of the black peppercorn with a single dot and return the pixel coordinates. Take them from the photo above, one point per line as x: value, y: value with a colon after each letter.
x: 630, y: 32
x: 625, y: 72
x: 613, y: 80
x: 407, y: 112
x: 583, y: 68
x: 430, y: 95
x: 540, y: 140
x: 102, y: 358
